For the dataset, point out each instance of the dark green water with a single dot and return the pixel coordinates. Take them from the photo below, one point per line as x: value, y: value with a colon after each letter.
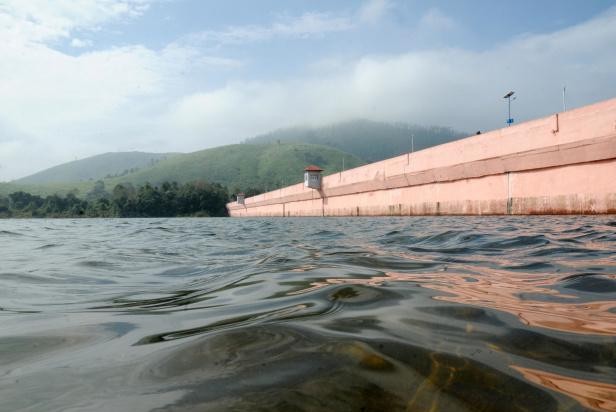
x: 361, y: 314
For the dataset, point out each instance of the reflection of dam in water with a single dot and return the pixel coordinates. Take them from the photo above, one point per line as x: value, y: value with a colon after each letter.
x: 535, y: 299
x: 597, y: 396
x: 527, y: 296
x: 561, y: 164
x: 465, y: 314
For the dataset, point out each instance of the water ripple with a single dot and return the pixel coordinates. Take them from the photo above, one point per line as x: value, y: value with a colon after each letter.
x: 409, y: 314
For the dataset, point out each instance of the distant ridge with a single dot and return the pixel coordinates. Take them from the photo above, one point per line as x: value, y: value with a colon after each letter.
x: 264, y: 162
x: 244, y: 166
x: 239, y: 167
x: 95, y: 167
x: 366, y: 139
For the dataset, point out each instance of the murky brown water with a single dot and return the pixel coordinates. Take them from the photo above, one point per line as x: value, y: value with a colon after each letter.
x: 363, y: 314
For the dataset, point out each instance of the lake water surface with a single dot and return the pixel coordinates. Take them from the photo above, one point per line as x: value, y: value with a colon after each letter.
x: 348, y: 314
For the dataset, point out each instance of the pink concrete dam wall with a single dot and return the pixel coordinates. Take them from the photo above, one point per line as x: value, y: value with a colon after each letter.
x: 561, y: 164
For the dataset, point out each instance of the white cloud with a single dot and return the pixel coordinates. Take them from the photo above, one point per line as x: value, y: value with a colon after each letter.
x: 56, y: 107
x: 436, y: 20
x: 73, y: 90
x: 451, y: 87
x: 307, y: 25
x: 79, y: 43
x: 311, y: 24
x: 44, y: 21
x: 373, y: 10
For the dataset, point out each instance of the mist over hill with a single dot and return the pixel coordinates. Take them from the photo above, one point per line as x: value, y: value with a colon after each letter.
x: 264, y: 162
x: 366, y: 139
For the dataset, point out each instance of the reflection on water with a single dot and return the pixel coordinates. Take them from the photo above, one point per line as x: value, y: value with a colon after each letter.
x: 416, y: 314
x: 526, y: 296
x: 593, y: 395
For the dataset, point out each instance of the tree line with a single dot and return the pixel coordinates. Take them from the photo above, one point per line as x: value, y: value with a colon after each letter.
x: 167, y: 200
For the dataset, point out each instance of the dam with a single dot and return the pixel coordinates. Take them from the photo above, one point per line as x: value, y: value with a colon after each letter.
x: 561, y: 164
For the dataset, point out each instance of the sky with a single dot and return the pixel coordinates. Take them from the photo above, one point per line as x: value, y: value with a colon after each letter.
x: 84, y: 77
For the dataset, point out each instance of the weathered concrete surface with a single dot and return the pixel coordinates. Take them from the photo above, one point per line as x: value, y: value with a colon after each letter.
x: 561, y: 164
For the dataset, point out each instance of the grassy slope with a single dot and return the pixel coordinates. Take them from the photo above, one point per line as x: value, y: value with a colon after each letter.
x: 258, y: 163
x: 265, y: 166
x: 244, y: 165
x: 94, y: 168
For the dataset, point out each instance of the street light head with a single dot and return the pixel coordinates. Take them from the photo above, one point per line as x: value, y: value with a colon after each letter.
x: 508, y: 95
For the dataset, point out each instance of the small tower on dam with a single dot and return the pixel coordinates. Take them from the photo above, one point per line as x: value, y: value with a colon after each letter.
x: 312, y: 177
x: 240, y: 198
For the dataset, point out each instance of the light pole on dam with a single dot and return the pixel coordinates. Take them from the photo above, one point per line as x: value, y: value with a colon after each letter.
x: 508, y: 97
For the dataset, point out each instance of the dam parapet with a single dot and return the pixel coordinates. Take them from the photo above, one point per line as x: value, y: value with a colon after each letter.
x: 561, y: 164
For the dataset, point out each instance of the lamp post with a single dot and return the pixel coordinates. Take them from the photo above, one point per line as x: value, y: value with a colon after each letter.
x: 508, y: 97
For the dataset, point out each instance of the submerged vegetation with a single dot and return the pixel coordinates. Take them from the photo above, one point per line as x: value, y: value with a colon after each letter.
x: 167, y: 200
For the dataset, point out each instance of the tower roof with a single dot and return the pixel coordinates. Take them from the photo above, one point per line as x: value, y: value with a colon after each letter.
x: 313, y: 168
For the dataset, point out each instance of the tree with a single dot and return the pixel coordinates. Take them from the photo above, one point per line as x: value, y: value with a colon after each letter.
x: 97, y: 192
x: 170, y: 199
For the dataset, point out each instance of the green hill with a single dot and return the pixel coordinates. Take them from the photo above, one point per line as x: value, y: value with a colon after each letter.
x: 368, y: 140
x: 264, y: 162
x: 95, y: 167
x: 239, y: 167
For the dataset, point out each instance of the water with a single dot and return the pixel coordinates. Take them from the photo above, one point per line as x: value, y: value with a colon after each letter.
x: 360, y: 314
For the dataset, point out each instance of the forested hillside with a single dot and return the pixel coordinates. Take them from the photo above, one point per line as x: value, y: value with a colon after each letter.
x: 259, y: 164
x: 245, y: 167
